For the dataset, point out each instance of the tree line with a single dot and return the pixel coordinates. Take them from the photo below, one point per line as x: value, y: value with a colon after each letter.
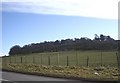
x: 101, y: 42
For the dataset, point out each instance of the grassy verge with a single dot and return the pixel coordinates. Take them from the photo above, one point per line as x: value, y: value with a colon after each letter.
x: 91, y: 73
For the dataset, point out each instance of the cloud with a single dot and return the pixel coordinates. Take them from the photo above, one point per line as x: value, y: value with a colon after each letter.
x: 107, y: 9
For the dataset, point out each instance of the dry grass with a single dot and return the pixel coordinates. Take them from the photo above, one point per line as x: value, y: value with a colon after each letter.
x: 110, y: 73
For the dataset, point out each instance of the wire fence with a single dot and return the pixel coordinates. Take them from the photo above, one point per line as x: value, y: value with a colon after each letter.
x: 65, y: 59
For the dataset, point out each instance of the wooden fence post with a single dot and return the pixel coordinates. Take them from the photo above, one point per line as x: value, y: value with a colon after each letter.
x: 76, y: 59
x: 10, y: 60
x: 67, y: 61
x: 5, y: 60
x: 101, y: 58
x: 58, y: 59
x: 15, y: 58
x: 21, y: 59
x: 33, y: 60
x: 48, y: 60
x: 25, y: 60
x: 118, y: 63
x: 87, y: 60
x: 41, y: 59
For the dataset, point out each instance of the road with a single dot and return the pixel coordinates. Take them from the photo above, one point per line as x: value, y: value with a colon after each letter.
x: 24, y: 77
x: 11, y: 77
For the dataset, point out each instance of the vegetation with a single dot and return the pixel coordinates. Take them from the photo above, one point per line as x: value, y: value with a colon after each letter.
x: 101, y: 42
x: 70, y: 58
x: 75, y: 58
x: 96, y: 73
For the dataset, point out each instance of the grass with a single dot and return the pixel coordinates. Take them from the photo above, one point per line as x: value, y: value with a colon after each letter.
x: 103, y: 73
x: 81, y: 64
x: 75, y: 58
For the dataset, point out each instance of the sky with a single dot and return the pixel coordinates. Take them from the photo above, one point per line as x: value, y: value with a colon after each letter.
x: 26, y: 22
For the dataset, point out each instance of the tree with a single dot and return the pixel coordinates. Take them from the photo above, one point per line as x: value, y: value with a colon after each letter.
x: 96, y: 37
x: 15, y: 50
x: 101, y: 42
x: 102, y: 37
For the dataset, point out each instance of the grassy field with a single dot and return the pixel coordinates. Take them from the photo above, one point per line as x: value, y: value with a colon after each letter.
x: 68, y: 58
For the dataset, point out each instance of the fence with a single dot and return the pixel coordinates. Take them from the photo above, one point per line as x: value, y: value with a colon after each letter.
x: 78, y: 58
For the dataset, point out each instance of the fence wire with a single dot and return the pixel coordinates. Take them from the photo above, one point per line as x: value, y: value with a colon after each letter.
x: 65, y: 59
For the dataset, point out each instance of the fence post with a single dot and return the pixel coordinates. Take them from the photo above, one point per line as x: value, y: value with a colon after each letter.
x: 25, y: 60
x: 117, y: 60
x: 67, y: 61
x: 87, y: 60
x: 76, y: 59
x: 58, y: 59
x: 10, y: 59
x: 33, y: 59
x: 41, y: 59
x: 101, y: 57
x: 21, y: 59
x: 15, y: 58
x: 48, y: 60
x: 5, y: 60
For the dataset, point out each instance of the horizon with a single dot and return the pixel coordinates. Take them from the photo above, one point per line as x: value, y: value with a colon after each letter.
x: 24, y: 27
